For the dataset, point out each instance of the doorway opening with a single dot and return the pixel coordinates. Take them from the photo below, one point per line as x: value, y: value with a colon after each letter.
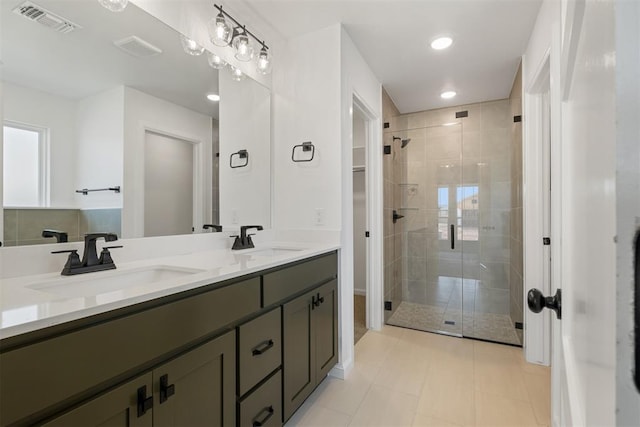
x: 169, y: 185
x: 360, y: 205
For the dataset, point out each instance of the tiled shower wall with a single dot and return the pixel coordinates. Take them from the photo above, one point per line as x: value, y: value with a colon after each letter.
x: 24, y: 226
x: 515, y: 276
x: 486, y: 157
x: 392, y: 164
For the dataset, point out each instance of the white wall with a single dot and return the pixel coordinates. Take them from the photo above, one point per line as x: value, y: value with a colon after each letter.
x: 245, y: 124
x: 144, y: 112
x: 306, y: 107
x: 58, y: 114
x: 99, y: 150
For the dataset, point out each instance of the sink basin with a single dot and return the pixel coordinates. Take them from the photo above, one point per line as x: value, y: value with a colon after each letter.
x: 91, y: 284
x: 269, y: 252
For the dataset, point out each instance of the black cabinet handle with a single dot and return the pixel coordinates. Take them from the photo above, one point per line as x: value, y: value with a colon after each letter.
x: 314, y: 303
x: 320, y: 299
x: 166, y: 390
x: 452, y: 231
x: 144, y: 403
x: 257, y: 422
x: 262, y: 347
x: 536, y: 302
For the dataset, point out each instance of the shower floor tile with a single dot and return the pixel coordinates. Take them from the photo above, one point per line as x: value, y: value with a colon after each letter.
x: 487, y: 326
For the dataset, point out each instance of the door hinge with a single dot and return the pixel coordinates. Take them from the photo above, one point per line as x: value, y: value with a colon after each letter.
x: 387, y: 305
x: 546, y: 241
x: 387, y: 149
x: 366, y: 234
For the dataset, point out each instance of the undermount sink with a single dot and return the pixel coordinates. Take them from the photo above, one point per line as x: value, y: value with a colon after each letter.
x: 92, y: 284
x: 269, y: 252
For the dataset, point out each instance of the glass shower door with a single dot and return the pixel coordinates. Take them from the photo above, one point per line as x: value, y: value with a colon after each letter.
x: 432, y: 257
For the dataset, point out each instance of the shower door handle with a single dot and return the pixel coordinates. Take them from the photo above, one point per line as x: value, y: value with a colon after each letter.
x: 452, y: 232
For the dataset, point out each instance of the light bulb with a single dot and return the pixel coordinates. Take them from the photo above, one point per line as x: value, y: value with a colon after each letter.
x: 219, y: 31
x: 264, y: 61
x: 447, y: 95
x: 114, y: 5
x: 242, y: 45
x: 213, y: 97
x: 236, y: 74
x: 215, y: 61
x: 190, y: 46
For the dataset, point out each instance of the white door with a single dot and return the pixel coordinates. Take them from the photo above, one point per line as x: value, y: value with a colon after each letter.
x: 168, y: 185
x: 583, y: 168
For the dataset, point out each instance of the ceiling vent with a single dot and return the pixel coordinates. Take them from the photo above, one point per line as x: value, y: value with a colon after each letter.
x: 137, y: 47
x: 42, y: 16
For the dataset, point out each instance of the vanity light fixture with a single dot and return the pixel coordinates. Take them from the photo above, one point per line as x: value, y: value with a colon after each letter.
x: 448, y: 94
x: 441, y: 43
x: 190, y: 46
x: 240, y: 39
x: 213, y: 97
x: 114, y: 5
x: 215, y: 61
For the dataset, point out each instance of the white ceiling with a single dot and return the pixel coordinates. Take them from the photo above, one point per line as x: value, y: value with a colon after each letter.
x: 393, y: 36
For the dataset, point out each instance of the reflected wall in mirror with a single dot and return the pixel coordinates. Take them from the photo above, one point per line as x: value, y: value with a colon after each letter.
x: 116, y: 102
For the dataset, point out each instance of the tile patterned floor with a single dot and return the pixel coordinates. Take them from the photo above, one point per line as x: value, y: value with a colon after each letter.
x: 487, y: 326
x: 404, y: 377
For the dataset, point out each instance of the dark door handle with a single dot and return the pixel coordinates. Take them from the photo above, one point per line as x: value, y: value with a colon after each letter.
x: 396, y: 216
x: 537, y: 301
x: 452, y: 232
x: 257, y: 422
x: 166, y: 390
x: 144, y: 403
x: 262, y: 347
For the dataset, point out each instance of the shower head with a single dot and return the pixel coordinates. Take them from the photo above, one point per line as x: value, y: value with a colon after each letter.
x: 403, y: 142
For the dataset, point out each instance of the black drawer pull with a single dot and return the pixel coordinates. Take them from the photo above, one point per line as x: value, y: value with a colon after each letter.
x: 144, y: 403
x: 166, y: 390
x: 260, y: 422
x: 262, y: 347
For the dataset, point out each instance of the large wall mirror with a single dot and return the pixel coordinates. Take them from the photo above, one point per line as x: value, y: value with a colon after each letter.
x: 113, y: 102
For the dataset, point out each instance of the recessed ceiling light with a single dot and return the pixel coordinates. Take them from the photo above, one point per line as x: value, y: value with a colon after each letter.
x: 213, y: 97
x: 448, y: 94
x: 441, y: 43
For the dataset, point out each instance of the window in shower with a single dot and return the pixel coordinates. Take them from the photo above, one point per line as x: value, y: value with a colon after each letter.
x: 467, y: 212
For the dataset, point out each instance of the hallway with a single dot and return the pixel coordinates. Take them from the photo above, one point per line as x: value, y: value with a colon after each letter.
x: 404, y: 377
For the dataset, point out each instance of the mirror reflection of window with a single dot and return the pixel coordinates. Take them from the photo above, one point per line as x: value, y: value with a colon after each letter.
x: 467, y: 212
x: 443, y: 213
x: 24, y: 166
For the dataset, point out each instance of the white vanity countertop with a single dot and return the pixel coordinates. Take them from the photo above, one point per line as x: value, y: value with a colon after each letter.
x: 29, y: 303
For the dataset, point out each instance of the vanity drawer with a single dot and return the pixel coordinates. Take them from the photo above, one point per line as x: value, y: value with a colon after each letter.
x: 282, y: 284
x: 263, y: 407
x: 259, y: 349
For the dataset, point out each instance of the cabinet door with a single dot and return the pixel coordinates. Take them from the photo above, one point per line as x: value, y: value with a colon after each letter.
x: 298, y: 353
x: 128, y: 405
x: 198, y: 388
x: 325, y: 328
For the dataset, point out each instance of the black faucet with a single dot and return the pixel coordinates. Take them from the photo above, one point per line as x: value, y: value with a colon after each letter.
x: 243, y: 241
x: 61, y: 236
x: 216, y: 228
x: 90, y: 261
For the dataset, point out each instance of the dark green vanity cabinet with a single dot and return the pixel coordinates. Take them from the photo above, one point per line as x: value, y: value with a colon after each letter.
x: 193, y: 389
x: 222, y: 354
x: 310, y: 336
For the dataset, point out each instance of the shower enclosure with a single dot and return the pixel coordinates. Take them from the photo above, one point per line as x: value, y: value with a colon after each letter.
x: 453, y: 190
